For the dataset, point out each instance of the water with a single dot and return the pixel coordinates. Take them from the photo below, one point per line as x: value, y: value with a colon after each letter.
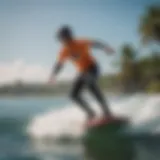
x: 36, y: 128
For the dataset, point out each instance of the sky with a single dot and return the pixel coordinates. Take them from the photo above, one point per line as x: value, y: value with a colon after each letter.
x: 28, y: 47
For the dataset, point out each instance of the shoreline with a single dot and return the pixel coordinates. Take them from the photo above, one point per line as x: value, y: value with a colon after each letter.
x: 66, y: 95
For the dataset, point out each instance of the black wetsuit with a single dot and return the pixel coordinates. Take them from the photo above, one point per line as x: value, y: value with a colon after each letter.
x: 89, y: 79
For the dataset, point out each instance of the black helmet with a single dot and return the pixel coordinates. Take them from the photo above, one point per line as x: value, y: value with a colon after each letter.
x: 64, y: 32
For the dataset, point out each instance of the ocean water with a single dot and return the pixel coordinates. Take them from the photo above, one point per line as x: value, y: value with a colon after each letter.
x: 36, y: 128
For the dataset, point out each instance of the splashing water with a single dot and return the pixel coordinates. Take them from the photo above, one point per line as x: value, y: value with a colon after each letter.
x: 143, y: 112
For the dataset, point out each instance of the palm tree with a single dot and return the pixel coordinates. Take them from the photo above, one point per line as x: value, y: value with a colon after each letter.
x: 128, y: 68
x: 150, y: 32
x: 150, y: 25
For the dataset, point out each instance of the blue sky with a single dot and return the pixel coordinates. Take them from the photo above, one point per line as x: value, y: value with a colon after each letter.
x: 28, y: 27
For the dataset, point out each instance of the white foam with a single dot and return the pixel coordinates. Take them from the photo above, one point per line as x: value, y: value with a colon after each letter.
x: 148, y: 110
x: 57, y: 123
x: 141, y: 109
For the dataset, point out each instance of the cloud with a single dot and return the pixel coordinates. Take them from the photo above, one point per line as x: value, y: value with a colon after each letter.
x: 12, y: 71
x: 28, y: 73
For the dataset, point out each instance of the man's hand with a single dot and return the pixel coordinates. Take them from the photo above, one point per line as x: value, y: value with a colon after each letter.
x: 104, y: 47
x: 56, y: 69
x: 52, y: 80
x: 109, y: 50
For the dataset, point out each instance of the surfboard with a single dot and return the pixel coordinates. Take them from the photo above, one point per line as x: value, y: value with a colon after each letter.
x: 105, y: 121
x: 104, y: 139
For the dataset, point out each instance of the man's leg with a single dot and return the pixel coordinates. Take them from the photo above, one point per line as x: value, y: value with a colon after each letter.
x: 95, y: 90
x: 76, y: 96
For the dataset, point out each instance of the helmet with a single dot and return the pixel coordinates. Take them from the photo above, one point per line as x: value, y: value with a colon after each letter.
x: 65, y: 32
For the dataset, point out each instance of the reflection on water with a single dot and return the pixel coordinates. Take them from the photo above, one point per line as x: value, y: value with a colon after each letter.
x: 57, y: 151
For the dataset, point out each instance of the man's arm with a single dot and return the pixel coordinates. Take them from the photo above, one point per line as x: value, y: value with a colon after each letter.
x: 58, y: 65
x: 100, y: 45
x: 57, y: 68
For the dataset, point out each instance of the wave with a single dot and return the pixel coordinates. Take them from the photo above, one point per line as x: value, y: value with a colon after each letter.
x: 11, y: 125
x: 67, y: 124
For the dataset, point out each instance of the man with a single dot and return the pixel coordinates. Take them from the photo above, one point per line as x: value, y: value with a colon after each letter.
x: 78, y: 51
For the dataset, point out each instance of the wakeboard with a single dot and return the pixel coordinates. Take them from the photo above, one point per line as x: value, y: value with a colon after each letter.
x: 97, y: 122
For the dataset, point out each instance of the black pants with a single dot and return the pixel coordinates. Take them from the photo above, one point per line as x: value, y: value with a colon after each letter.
x: 89, y: 80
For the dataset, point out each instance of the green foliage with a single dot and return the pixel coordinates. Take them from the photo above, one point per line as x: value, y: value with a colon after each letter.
x: 150, y: 70
x: 128, y: 68
x: 153, y: 87
x: 139, y: 74
x: 150, y: 24
x: 109, y: 82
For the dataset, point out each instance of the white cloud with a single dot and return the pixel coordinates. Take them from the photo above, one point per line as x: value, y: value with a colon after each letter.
x: 36, y: 73
x: 28, y: 73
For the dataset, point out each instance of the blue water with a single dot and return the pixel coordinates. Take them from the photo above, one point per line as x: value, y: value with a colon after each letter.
x: 17, y: 113
x: 14, y: 117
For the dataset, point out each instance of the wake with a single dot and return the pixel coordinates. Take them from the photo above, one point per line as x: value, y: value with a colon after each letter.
x: 143, y: 112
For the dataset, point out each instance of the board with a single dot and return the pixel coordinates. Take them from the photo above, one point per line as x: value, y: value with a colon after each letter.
x: 105, y: 138
x: 105, y: 121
